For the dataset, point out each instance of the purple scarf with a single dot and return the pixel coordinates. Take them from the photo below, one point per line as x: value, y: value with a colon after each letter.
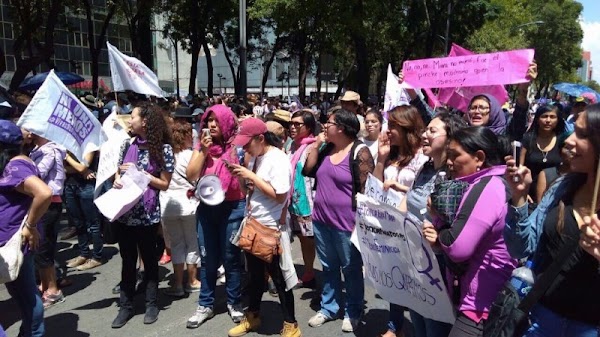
x: 132, y: 156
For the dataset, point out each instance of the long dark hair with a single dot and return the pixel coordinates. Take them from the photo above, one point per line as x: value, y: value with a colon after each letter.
x: 158, y: 131
x: 8, y: 152
x: 407, y: 117
x: 480, y: 138
x: 559, y: 130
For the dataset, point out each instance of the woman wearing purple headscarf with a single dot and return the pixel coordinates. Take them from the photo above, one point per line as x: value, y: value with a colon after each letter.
x: 485, y: 110
x: 217, y: 224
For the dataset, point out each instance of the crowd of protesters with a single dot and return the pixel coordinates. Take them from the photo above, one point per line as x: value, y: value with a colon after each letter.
x: 298, y: 170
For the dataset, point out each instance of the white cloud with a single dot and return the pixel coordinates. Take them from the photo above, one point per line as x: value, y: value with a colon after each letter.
x: 591, y: 42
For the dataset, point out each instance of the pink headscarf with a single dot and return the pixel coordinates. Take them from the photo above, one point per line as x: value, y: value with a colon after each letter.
x: 228, y: 126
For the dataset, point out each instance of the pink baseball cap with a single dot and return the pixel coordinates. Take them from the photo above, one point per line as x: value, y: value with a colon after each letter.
x: 249, y: 128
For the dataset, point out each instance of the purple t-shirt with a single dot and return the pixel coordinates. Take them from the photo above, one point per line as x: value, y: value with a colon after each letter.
x: 333, y: 199
x: 14, y: 205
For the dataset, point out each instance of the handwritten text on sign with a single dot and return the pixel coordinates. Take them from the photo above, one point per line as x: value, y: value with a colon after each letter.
x: 398, y: 262
x: 472, y: 70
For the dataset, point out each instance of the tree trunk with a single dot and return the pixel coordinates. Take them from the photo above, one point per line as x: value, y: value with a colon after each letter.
x: 195, y: 49
x: 2, y: 62
x: 234, y: 74
x: 209, y: 68
x: 319, y: 67
x: 144, y: 32
x: 268, y: 64
x: 362, y: 54
x: 96, y: 46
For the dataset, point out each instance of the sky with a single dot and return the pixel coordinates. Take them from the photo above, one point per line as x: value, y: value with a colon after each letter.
x: 591, y: 33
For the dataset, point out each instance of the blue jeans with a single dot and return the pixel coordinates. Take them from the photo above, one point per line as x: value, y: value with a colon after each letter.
x: 79, y: 197
x: 546, y: 323
x: 216, y: 226
x: 425, y: 327
x: 335, y: 251
x: 26, y: 294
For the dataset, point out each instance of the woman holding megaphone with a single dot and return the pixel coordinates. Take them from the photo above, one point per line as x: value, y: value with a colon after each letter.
x: 217, y: 223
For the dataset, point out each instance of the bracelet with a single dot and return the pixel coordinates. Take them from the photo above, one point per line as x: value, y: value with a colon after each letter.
x: 28, y: 225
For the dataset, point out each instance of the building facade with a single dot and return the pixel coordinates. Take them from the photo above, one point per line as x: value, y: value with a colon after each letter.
x: 585, y: 71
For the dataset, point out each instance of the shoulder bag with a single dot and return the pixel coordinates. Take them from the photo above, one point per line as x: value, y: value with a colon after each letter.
x: 257, y: 239
x: 11, y: 256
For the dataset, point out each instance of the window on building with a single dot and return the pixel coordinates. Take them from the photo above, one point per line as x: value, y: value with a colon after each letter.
x: 103, y: 69
x: 8, y: 31
x: 11, y: 64
x: 87, y: 68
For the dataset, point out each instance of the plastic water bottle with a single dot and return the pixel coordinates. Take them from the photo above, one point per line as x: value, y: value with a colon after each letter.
x: 441, y: 177
x: 522, y: 279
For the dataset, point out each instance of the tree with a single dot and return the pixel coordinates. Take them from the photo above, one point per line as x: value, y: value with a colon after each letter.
x: 97, y: 42
x: 594, y: 85
x: 33, y: 46
x: 138, y: 15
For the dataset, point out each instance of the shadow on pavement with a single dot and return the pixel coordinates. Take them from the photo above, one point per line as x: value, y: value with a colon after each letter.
x: 64, y: 325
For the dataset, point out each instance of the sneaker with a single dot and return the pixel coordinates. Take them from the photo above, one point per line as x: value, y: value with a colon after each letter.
x: 52, y: 299
x: 350, y: 324
x: 191, y: 288
x: 201, y: 315
x: 175, y: 292
x: 122, y: 318
x: 89, y: 264
x: 236, y: 312
x: 290, y: 330
x: 78, y: 261
x: 318, y: 320
x: 151, y: 315
x: 251, y: 322
x: 117, y: 289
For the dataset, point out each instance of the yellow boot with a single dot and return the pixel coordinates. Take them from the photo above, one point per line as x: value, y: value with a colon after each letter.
x: 251, y: 322
x: 291, y: 330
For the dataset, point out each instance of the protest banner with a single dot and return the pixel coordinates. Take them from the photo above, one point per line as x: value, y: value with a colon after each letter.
x: 395, y: 94
x: 399, y: 263
x: 57, y: 115
x: 129, y: 73
x: 374, y: 189
x: 469, y: 70
x: 459, y: 98
x: 110, y: 150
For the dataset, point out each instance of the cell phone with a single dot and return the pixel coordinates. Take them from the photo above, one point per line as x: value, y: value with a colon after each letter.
x: 517, y: 156
x: 205, y: 132
x: 517, y: 151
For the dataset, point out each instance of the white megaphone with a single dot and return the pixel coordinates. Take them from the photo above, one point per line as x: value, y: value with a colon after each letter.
x: 209, y: 190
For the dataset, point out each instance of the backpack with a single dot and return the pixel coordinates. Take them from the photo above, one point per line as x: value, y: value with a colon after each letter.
x: 354, y: 167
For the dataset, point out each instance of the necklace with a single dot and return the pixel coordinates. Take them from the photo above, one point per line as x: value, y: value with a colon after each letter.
x: 544, y: 153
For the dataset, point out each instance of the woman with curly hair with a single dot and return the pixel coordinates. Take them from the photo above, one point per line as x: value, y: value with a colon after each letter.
x: 150, y: 151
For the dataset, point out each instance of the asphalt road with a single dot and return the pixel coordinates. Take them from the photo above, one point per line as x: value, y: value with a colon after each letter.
x: 90, y: 307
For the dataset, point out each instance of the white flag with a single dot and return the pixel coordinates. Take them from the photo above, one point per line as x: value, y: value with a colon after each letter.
x: 56, y: 114
x: 395, y: 94
x: 129, y: 73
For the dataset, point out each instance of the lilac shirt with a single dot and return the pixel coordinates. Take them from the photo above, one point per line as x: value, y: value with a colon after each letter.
x: 49, y: 161
x: 333, y: 200
x: 13, y: 204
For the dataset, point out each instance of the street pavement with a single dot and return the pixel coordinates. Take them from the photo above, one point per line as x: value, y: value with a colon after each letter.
x: 90, y: 307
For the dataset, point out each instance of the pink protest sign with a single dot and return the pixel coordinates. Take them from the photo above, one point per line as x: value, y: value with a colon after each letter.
x: 470, y: 70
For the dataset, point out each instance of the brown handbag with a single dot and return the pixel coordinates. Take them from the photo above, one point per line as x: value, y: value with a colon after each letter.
x: 257, y: 239
x: 260, y: 240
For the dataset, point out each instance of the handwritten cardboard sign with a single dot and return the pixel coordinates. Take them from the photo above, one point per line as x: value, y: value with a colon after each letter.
x: 374, y: 189
x: 470, y: 70
x: 399, y: 263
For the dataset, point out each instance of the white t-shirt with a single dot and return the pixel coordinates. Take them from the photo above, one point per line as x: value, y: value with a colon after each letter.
x: 373, y: 146
x: 174, y: 201
x: 273, y: 167
x: 406, y: 175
